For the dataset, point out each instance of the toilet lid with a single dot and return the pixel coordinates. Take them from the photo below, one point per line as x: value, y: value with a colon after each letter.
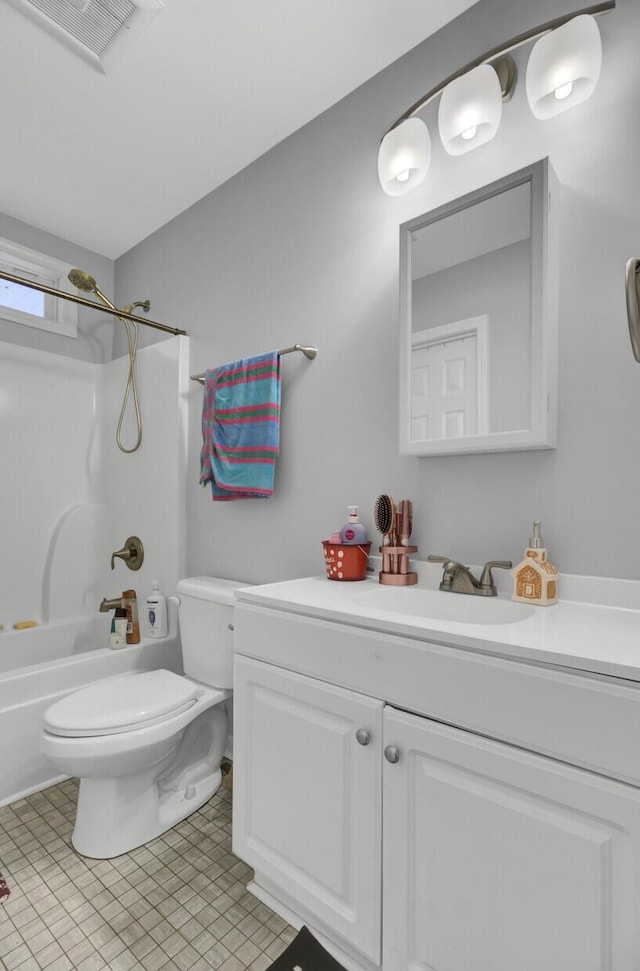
x: 121, y: 704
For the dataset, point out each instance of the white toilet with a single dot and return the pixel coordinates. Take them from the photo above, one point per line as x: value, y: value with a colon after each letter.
x: 147, y: 747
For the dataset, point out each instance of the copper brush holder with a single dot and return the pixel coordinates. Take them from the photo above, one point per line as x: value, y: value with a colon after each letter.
x: 396, y: 525
x: 395, y: 566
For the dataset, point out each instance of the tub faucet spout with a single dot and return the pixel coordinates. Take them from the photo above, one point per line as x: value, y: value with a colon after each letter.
x: 106, y: 605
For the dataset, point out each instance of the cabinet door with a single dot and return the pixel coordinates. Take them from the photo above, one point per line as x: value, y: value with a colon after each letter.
x: 306, y: 797
x: 496, y: 859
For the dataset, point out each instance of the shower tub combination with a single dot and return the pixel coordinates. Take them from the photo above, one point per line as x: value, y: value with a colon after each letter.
x: 61, y: 538
x: 42, y: 664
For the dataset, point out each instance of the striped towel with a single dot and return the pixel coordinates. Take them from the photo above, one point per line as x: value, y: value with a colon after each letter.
x: 241, y: 428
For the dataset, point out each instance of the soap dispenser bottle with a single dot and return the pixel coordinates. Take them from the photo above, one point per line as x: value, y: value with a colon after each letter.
x: 353, y: 532
x: 156, y: 611
x: 535, y: 580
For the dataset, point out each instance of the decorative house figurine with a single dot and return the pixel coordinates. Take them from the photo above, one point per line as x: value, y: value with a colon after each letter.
x: 535, y: 580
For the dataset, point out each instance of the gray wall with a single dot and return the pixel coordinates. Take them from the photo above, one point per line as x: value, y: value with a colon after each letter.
x: 302, y: 246
x: 95, y: 330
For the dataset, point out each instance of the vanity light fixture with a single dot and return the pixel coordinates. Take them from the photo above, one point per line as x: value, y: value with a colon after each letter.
x: 404, y: 157
x: 564, y: 67
x: 563, y: 70
x: 470, y: 110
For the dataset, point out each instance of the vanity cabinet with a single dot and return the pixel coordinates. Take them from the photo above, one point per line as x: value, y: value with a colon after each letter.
x: 306, y: 817
x: 410, y: 842
x: 496, y: 859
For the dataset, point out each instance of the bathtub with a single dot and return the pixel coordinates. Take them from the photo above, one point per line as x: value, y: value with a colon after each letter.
x: 44, y: 663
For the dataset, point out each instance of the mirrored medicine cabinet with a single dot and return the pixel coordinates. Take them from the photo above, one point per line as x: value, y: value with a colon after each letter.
x: 478, y: 318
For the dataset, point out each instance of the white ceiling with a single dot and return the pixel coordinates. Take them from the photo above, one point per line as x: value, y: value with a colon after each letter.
x: 103, y: 160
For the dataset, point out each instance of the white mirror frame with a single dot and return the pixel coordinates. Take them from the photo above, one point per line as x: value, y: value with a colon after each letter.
x: 543, y: 316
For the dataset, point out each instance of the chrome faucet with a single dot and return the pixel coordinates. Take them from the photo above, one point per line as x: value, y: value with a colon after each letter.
x: 457, y: 578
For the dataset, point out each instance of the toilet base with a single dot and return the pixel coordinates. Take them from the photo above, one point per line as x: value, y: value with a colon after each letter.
x: 115, y: 815
x: 101, y: 832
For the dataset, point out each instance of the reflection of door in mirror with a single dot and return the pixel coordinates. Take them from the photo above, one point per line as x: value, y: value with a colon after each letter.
x: 449, y: 380
x: 479, y: 319
x: 477, y: 262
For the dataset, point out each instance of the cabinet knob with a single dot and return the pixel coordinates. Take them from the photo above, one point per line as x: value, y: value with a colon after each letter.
x: 391, y: 754
x: 230, y: 627
x: 363, y: 737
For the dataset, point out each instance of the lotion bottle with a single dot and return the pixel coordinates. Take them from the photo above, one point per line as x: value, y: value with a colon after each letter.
x: 353, y: 532
x: 156, y: 611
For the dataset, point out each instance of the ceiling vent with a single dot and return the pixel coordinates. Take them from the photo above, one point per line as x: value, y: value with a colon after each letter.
x: 100, y: 31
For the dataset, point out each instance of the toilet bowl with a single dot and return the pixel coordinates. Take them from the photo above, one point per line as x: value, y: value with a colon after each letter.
x: 147, y: 747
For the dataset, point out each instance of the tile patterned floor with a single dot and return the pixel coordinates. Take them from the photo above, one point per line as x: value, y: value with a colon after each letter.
x: 178, y: 902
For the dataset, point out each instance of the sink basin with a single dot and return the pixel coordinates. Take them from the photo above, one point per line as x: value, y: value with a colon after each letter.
x: 449, y: 607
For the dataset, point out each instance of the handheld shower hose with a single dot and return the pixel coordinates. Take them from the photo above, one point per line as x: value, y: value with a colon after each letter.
x: 84, y: 282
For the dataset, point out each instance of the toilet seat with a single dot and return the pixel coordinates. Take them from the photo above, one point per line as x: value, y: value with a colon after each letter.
x: 121, y: 704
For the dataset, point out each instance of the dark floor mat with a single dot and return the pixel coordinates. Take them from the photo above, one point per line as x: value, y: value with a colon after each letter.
x: 305, y: 954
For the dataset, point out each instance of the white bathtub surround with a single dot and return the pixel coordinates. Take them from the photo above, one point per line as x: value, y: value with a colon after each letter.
x: 71, y: 499
x: 43, y: 664
x: 51, y: 442
x: 468, y: 767
x: 72, y: 496
x: 146, y: 490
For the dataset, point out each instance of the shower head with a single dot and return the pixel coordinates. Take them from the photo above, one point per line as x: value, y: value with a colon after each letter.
x: 83, y: 281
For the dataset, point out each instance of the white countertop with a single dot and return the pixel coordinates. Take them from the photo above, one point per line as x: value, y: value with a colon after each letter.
x: 579, y: 633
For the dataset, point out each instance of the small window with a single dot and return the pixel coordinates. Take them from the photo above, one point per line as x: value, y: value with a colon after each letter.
x: 24, y: 305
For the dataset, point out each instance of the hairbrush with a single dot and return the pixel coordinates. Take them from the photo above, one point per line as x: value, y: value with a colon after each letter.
x: 384, y: 516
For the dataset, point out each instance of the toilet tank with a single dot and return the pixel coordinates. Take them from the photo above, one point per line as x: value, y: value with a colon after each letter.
x: 205, y: 614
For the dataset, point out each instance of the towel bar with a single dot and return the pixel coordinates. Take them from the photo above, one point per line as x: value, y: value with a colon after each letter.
x: 309, y: 352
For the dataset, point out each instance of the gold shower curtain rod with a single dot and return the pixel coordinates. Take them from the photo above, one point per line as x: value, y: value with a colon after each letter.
x: 12, y: 278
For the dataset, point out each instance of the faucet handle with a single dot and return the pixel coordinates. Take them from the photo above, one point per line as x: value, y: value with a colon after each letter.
x: 132, y: 553
x: 486, y: 580
x: 448, y: 571
x: 450, y: 566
